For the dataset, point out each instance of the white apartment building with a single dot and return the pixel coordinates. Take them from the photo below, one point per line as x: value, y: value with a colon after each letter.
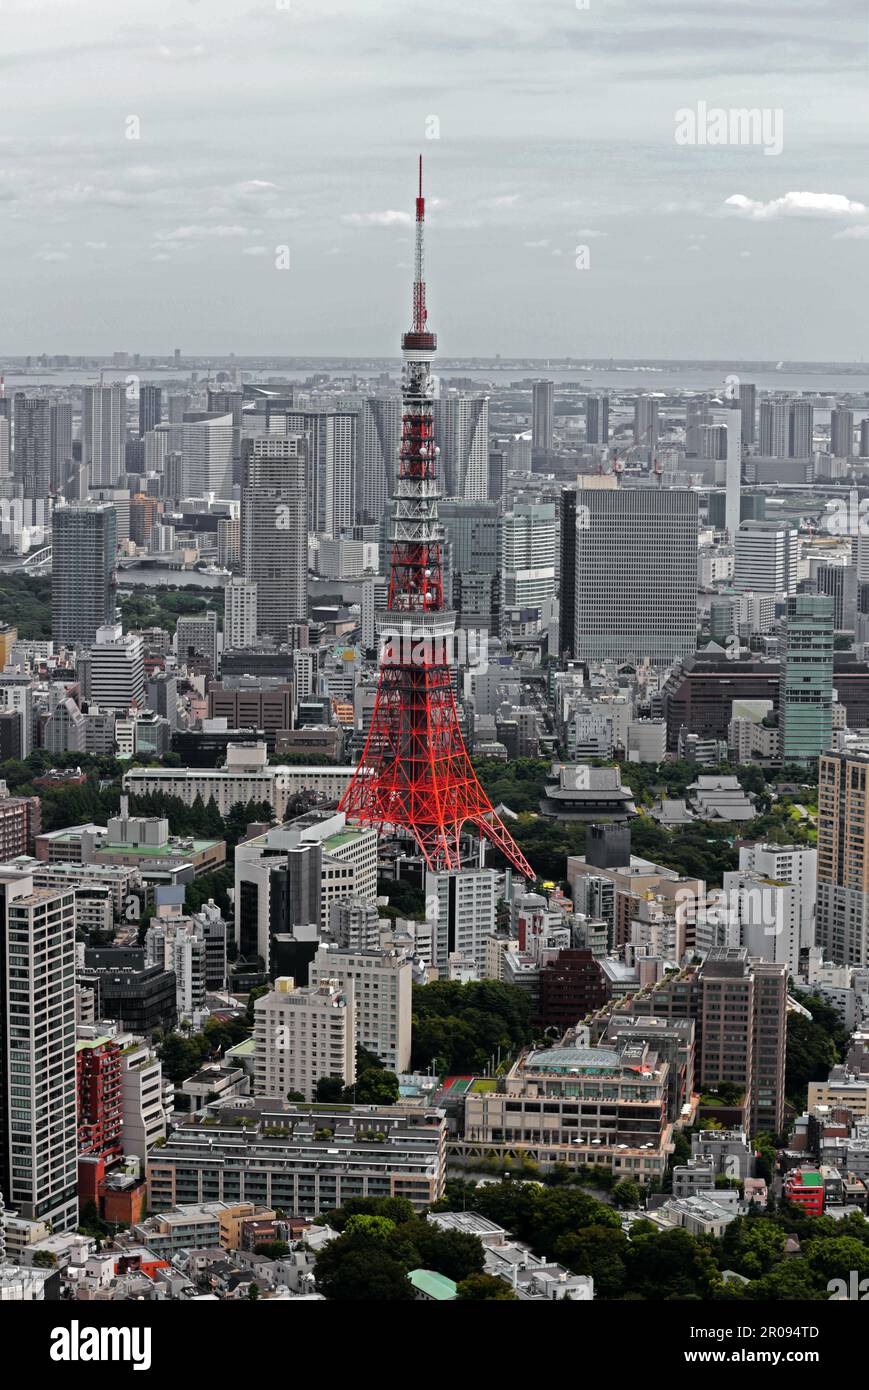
x: 301, y: 1035
x: 766, y: 557
x: 460, y: 905
x: 354, y: 924
x: 116, y: 678
x: 239, y: 614
x: 768, y: 912
x: 788, y: 864
x: 382, y: 982
x: 178, y: 946
x: 143, y: 1096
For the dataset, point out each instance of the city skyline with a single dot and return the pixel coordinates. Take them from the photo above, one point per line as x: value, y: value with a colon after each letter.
x: 434, y: 837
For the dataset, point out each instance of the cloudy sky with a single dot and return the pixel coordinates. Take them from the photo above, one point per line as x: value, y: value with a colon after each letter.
x: 265, y: 124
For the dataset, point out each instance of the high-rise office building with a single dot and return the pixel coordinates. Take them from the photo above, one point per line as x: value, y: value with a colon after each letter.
x: 839, y: 582
x: 766, y: 557
x: 528, y: 554
x: 60, y: 422
x: 278, y: 904
x: 103, y: 432
x: 842, y: 923
x: 196, y: 637
x: 842, y: 433
x: 742, y: 1027
x: 116, y: 678
x: 379, y: 441
x: 597, y: 419
x: 84, y: 546
x: 461, y: 432
x: 274, y: 529
x: 230, y: 403
x: 646, y: 424
x: 33, y: 445
x: 5, y: 449
x: 150, y: 408
x: 774, y: 428
x: 239, y: 616
x: 471, y: 564
x: 38, y: 1093
x: 497, y: 474
x: 331, y: 443
x: 542, y: 414
x: 711, y: 441
x: 748, y: 406
x: 801, y: 430
x: 806, y: 694
x: 698, y: 418
x: 567, y: 572
x: 206, y: 448
x: 626, y: 536
x: 161, y: 696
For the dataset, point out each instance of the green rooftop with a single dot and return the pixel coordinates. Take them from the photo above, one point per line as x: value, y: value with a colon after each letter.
x: 167, y: 851
x: 436, y: 1286
x: 345, y: 837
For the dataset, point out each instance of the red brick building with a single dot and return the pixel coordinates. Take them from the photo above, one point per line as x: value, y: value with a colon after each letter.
x: 570, y: 987
x: 100, y: 1109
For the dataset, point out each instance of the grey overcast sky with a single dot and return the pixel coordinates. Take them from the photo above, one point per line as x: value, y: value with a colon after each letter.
x: 265, y: 124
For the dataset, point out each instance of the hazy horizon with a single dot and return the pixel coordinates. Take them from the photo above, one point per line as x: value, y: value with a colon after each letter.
x: 261, y: 126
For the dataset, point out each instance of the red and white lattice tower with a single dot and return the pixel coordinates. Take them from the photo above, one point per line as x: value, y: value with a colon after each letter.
x: 415, y: 773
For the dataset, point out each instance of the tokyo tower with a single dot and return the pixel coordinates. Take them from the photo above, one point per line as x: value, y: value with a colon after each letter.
x: 415, y: 773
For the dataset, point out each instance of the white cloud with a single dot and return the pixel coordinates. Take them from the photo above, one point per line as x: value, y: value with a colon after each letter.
x: 390, y: 218
x: 860, y: 233
x: 193, y: 232
x: 797, y: 205
x: 180, y: 55
x: 51, y: 256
